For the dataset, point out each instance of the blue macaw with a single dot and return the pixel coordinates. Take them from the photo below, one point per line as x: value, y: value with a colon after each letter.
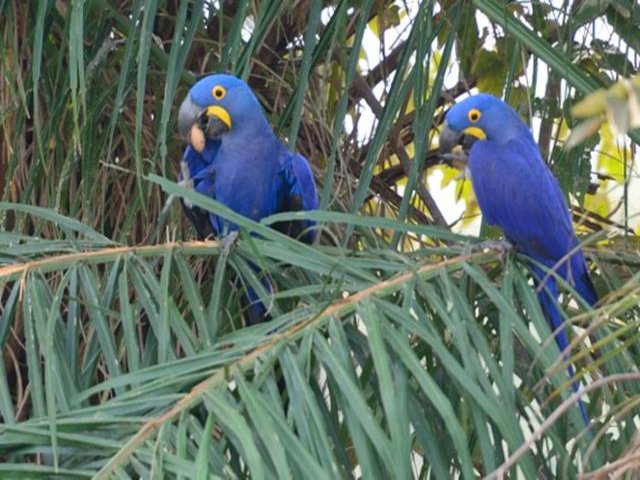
x: 516, y: 191
x: 234, y: 157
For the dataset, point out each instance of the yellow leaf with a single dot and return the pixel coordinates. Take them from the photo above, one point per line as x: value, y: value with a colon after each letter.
x: 583, y: 131
x: 448, y: 174
x: 464, y: 192
x: 598, y: 203
x: 618, y: 114
x: 621, y: 104
x: 634, y: 105
x: 611, y: 157
x: 591, y: 105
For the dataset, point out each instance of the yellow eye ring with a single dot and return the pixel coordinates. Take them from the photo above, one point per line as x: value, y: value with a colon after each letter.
x: 218, y: 92
x: 474, y: 115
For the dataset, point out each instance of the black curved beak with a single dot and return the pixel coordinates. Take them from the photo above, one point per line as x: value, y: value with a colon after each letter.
x: 190, y: 114
x: 449, y: 139
x: 454, y: 146
x: 212, y: 126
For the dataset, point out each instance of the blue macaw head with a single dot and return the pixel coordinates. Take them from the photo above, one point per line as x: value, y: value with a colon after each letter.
x: 221, y: 104
x: 480, y: 117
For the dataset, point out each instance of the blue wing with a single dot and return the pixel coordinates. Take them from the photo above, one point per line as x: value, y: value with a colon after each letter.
x: 517, y: 191
x: 296, y: 192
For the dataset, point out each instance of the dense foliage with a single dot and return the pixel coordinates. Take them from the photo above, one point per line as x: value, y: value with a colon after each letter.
x: 399, y: 346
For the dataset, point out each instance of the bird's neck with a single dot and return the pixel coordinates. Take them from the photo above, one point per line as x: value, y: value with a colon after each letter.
x: 513, y: 127
x: 247, y: 133
x: 246, y: 149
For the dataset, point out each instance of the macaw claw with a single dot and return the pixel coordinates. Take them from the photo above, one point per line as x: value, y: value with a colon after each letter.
x: 186, y: 180
x: 497, y: 245
x: 500, y: 246
x: 228, y: 241
x: 457, y: 159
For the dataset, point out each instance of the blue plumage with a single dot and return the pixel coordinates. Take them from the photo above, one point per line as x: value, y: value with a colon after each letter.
x: 247, y: 168
x: 243, y: 164
x: 516, y: 191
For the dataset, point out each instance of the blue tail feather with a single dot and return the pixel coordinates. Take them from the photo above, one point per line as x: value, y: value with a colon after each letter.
x: 581, y: 280
x: 253, y: 310
x: 547, y: 297
x: 576, y: 388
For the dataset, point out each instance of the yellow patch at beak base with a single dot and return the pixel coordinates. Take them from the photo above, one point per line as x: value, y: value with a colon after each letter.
x: 221, y: 113
x: 476, y: 132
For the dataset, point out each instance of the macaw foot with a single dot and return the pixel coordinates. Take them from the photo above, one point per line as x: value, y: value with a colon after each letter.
x: 228, y: 241
x: 186, y: 184
x: 498, y: 245
x: 186, y: 181
x: 457, y: 159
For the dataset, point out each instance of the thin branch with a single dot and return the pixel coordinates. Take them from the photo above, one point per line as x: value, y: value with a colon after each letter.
x: 621, y: 465
x: 502, y: 470
x: 48, y: 264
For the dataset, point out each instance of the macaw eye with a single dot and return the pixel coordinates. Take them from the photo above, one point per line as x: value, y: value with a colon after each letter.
x: 219, y: 92
x: 474, y: 115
